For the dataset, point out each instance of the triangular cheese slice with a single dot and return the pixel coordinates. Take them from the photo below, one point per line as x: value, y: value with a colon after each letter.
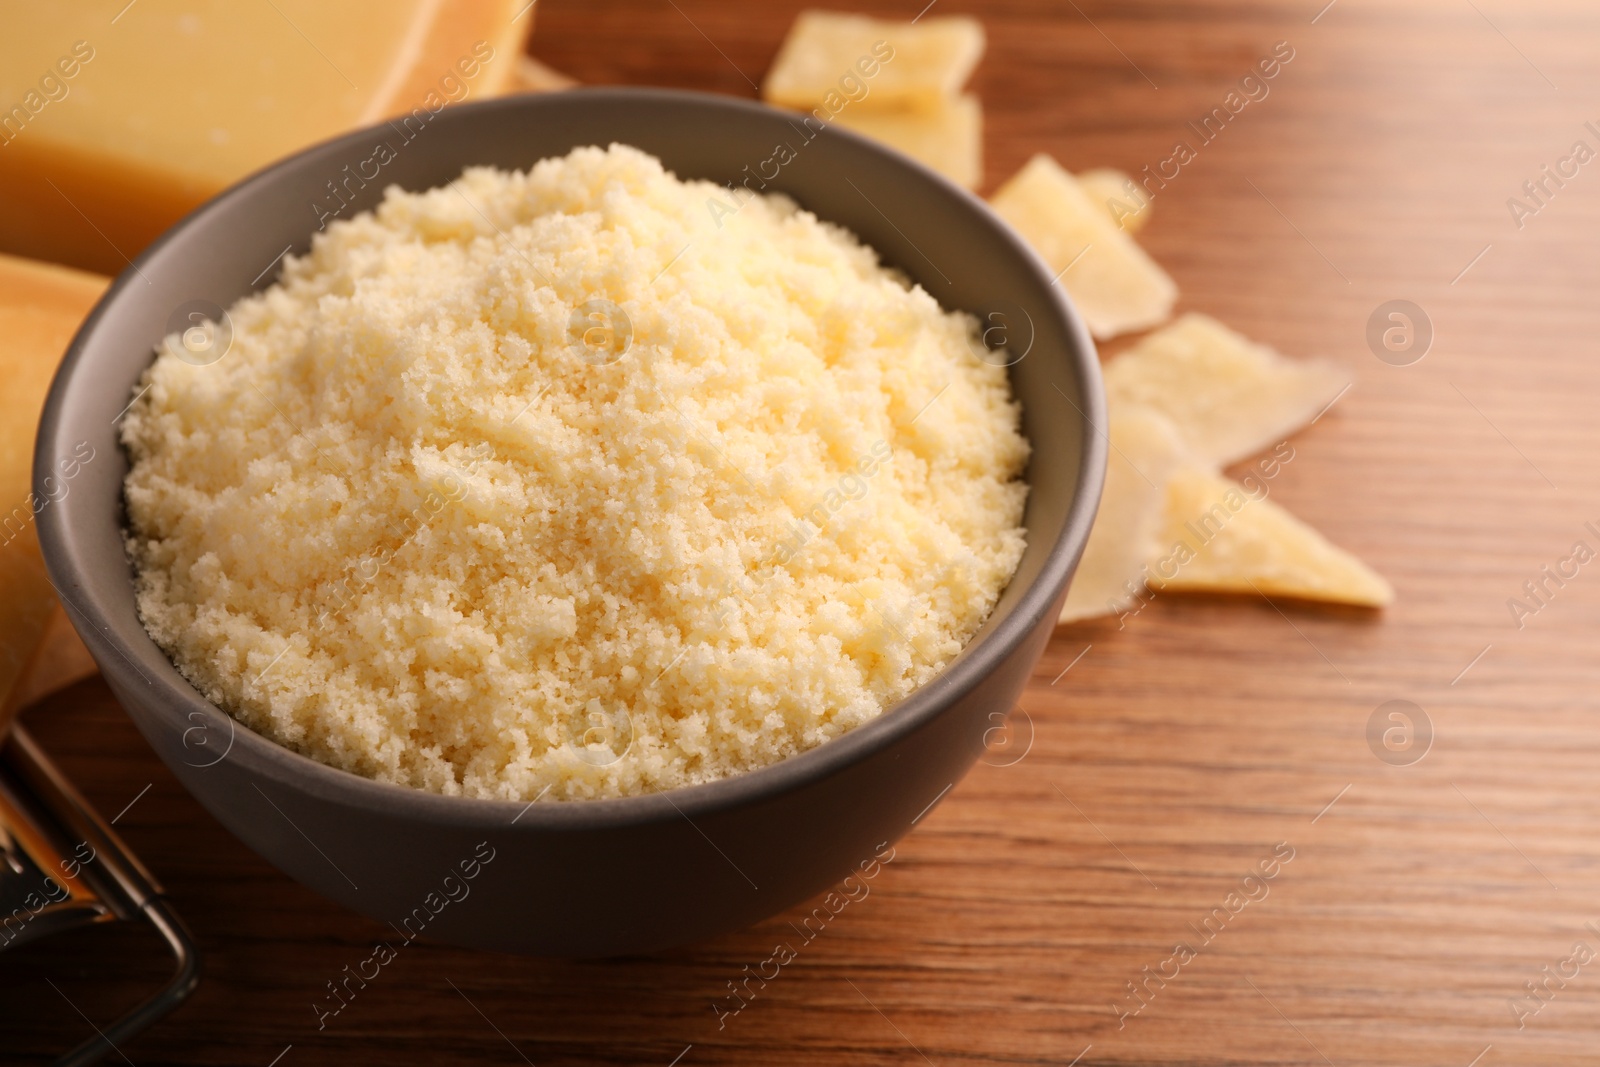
x: 1114, y: 284
x: 948, y: 139
x: 842, y: 62
x: 59, y: 661
x: 1220, y: 539
x: 1145, y: 450
x: 1228, y: 396
x: 1124, y: 202
x: 533, y: 76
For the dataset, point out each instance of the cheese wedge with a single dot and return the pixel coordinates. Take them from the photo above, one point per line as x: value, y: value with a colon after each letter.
x: 116, y: 118
x: 1123, y: 200
x: 533, y: 76
x: 948, y: 140
x: 40, y: 309
x: 1145, y: 450
x: 23, y: 619
x: 1228, y: 396
x: 59, y: 661
x: 1115, y: 286
x: 830, y: 59
x: 1222, y: 540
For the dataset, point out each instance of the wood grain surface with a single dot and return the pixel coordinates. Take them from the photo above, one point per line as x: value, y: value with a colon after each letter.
x: 1156, y: 762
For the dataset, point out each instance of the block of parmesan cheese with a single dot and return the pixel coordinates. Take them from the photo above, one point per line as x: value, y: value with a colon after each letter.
x: 1227, y: 541
x: 1123, y: 200
x: 1228, y: 396
x: 1145, y: 450
x: 117, y: 118
x: 829, y: 58
x: 1115, y: 286
x: 948, y: 139
x: 40, y: 309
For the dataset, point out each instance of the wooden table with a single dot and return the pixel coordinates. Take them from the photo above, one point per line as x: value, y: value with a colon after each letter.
x: 1180, y: 749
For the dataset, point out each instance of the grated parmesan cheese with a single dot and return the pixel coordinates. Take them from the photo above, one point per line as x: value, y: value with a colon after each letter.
x: 568, y: 483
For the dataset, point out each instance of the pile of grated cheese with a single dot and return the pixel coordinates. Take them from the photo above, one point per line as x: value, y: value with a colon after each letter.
x: 565, y: 484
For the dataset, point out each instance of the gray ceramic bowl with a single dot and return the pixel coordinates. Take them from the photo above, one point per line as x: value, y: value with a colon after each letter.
x: 601, y: 877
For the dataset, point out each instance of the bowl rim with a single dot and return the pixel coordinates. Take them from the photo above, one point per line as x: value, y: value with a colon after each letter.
x: 263, y: 756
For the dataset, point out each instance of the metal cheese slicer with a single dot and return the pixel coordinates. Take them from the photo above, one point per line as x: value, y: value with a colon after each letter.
x: 62, y: 866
